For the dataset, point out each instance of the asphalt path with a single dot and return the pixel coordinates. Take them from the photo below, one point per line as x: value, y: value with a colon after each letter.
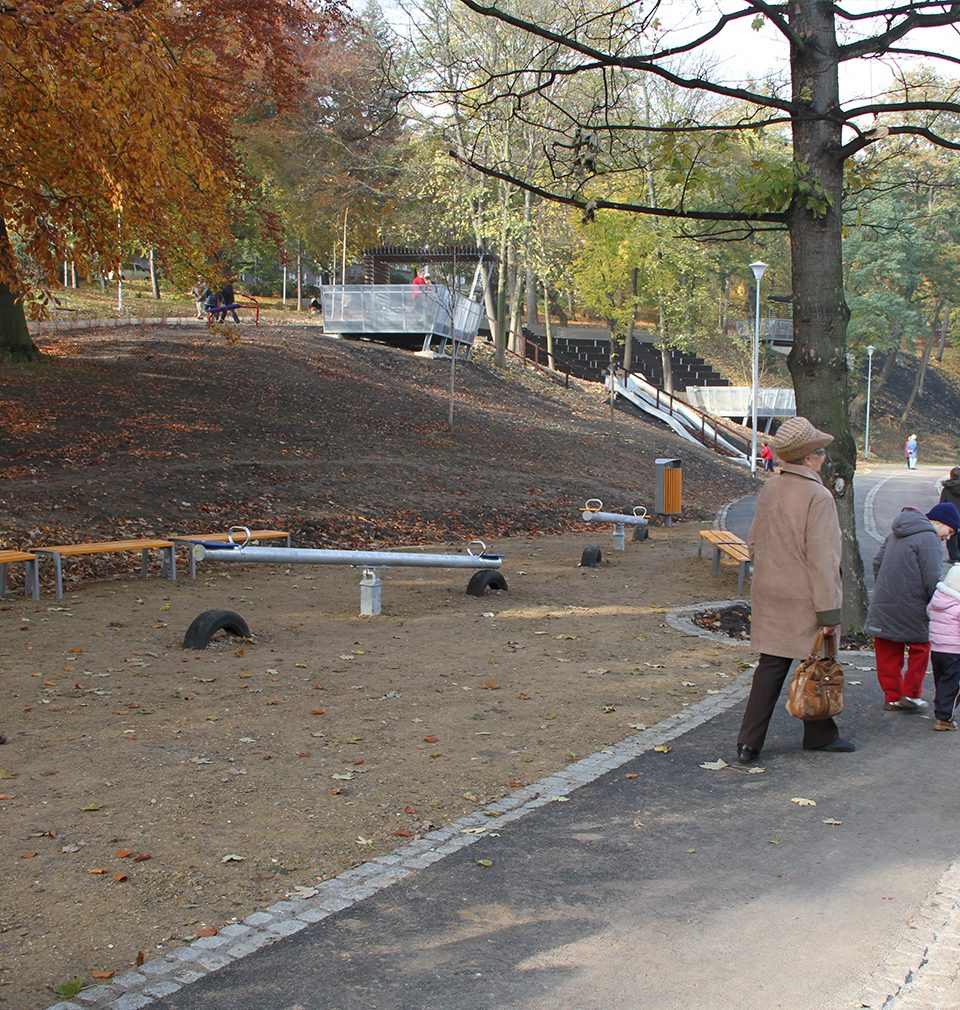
x: 664, y: 884
x: 661, y: 884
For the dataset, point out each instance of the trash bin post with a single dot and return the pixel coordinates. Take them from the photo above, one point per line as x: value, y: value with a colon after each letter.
x: 668, y: 494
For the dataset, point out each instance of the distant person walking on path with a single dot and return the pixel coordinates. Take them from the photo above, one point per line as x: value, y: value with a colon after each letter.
x: 200, y: 292
x: 906, y: 572
x: 911, y: 449
x: 950, y: 492
x: 766, y: 454
x: 944, y: 614
x: 797, y: 591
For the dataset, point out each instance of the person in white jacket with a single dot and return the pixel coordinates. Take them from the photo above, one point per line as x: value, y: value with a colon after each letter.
x: 944, y: 613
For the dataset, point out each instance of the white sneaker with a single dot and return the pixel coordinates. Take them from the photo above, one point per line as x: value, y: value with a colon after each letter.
x: 913, y: 704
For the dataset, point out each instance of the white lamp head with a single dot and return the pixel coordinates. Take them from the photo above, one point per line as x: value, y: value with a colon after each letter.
x: 758, y: 268
x: 870, y: 350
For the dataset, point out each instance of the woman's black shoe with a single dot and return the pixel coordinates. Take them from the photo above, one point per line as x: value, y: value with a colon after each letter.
x: 839, y: 746
x: 747, y: 754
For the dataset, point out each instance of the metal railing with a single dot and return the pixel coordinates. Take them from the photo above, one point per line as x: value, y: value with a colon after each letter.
x: 698, y: 424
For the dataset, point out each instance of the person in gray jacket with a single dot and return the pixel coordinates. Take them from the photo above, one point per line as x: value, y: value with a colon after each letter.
x: 906, y: 572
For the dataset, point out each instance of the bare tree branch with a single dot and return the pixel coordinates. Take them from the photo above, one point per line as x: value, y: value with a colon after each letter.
x: 590, y: 205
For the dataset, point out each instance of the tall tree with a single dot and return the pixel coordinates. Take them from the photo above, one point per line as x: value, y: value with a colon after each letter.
x: 116, y: 124
x: 803, y: 194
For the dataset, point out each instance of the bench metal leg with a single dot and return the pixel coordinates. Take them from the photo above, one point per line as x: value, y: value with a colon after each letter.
x: 32, y: 588
x: 58, y: 574
x: 716, y: 561
x: 170, y: 553
x: 3, y: 581
x: 192, y: 562
x: 744, y: 566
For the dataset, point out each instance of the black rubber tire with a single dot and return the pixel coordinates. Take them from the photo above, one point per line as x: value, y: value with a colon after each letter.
x: 591, y: 557
x: 484, y: 580
x: 641, y: 533
x: 207, y: 624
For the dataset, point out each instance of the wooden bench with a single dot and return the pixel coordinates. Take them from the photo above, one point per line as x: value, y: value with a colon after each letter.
x: 61, y: 551
x: 31, y: 583
x: 730, y: 545
x: 221, y: 538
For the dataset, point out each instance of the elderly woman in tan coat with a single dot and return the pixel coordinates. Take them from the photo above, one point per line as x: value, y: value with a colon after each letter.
x: 795, y: 545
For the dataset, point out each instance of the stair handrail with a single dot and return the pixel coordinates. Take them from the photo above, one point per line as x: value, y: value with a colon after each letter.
x: 705, y: 419
x: 526, y: 344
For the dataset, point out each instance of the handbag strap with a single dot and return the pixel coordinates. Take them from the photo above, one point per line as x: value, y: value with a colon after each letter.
x: 824, y: 645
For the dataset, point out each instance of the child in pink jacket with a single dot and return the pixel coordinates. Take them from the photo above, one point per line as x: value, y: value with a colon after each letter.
x: 944, y: 613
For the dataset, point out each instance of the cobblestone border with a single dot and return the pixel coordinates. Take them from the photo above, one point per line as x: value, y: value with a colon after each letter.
x: 165, y: 975
x: 923, y: 972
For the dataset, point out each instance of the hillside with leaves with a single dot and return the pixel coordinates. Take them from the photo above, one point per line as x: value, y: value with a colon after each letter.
x: 126, y: 434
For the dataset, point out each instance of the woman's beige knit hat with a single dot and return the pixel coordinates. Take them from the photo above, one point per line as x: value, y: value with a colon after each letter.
x: 797, y: 438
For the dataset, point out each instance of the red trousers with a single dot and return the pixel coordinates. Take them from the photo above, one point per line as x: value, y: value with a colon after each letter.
x: 896, y: 682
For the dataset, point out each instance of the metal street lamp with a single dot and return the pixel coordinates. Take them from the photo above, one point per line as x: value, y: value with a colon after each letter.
x: 866, y: 435
x: 758, y: 269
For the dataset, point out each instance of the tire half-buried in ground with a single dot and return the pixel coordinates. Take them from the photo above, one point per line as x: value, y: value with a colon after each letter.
x: 484, y: 580
x: 207, y: 624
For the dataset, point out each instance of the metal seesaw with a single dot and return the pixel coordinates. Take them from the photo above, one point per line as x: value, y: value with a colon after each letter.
x: 485, y: 576
x: 593, y: 512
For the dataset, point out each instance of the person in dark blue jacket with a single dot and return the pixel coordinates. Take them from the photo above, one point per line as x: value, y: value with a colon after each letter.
x: 907, y: 569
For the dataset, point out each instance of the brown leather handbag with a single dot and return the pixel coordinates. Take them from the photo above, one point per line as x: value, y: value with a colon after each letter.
x: 816, y: 690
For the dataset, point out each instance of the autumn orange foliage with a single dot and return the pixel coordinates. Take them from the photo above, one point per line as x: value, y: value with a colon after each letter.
x: 116, y: 121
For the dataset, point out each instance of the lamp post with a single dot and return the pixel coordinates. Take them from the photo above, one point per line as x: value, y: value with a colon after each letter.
x: 866, y: 434
x: 758, y: 268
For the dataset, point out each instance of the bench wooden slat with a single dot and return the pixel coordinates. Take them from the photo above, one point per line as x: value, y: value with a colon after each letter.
x: 222, y: 538
x: 31, y: 581
x: 59, y: 551
x: 6, y: 556
x: 731, y: 546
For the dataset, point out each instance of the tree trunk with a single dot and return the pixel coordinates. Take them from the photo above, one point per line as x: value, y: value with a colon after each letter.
x: 300, y: 272
x: 943, y: 332
x: 154, y: 276
x: 549, y: 326
x: 15, y: 342
x: 817, y: 361
x: 632, y: 324
x: 918, y: 381
x: 530, y: 279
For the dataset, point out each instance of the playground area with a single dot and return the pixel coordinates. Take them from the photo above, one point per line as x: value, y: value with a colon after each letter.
x: 154, y: 793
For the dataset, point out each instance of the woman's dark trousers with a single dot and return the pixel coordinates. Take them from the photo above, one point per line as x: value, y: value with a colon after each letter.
x: 768, y: 680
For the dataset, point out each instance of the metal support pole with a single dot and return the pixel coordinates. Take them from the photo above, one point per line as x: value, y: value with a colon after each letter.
x: 866, y: 434
x: 758, y: 268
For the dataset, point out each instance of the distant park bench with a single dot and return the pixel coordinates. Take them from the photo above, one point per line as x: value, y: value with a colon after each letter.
x: 31, y: 581
x: 731, y: 546
x: 222, y: 538
x: 61, y: 551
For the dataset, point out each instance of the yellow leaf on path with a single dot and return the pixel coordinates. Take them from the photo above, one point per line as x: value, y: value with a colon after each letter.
x: 4, y: 774
x: 831, y: 820
x: 775, y: 841
x: 802, y: 801
x: 662, y: 748
x: 485, y: 862
x: 715, y: 766
x: 91, y: 807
